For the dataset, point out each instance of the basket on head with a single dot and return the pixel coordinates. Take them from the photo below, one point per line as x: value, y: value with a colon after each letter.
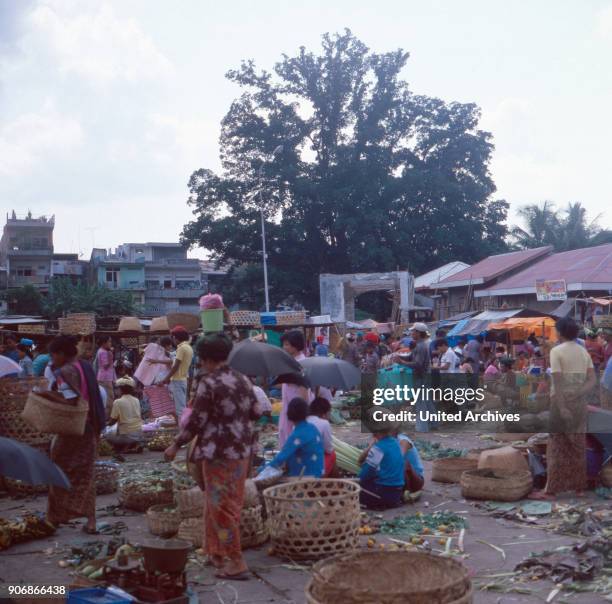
x: 405, y: 577
x: 129, y: 324
x: 49, y: 412
x: 192, y: 530
x: 500, y: 485
x: 38, y: 328
x: 189, y: 321
x: 163, y: 520
x: 290, y: 317
x: 313, y: 518
x: 253, y: 530
x: 449, y: 469
x: 106, y: 477
x: 245, y: 318
x: 160, y: 324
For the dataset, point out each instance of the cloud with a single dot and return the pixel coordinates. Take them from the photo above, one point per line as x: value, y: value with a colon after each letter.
x: 97, y: 46
x: 603, y: 23
x: 31, y: 137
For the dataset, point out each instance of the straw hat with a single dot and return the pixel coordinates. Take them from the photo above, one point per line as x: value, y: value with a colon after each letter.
x: 126, y: 381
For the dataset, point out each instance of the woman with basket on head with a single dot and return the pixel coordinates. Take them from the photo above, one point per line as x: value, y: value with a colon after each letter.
x: 222, y: 418
x: 75, y: 454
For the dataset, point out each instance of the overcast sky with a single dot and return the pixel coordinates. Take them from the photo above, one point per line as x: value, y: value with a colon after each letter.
x: 106, y: 107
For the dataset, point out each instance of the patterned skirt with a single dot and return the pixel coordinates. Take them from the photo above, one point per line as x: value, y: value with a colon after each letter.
x: 566, y: 463
x: 75, y: 455
x: 224, y: 496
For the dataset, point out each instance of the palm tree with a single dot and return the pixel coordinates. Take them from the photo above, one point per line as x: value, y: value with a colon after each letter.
x: 542, y: 225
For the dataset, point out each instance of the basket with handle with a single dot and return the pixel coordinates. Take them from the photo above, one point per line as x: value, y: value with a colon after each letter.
x: 449, y: 469
x: 49, y: 412
x: 500, y: 485
x: 403, y: 577
x: 315, y: 518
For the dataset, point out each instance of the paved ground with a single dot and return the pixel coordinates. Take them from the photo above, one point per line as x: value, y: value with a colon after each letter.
x: 277, y: 580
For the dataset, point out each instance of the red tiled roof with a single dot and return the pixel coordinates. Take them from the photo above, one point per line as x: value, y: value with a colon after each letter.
x: 492, y: 267
x: 588, y: 268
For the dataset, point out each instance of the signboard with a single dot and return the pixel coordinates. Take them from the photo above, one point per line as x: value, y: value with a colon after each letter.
x: 550, y: 289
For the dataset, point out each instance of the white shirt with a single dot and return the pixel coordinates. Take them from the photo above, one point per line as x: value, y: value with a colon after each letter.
x: 263, y: 402
x: 452, y: 359
x: 322, y: 425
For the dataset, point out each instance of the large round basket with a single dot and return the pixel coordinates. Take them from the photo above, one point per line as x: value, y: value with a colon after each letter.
x: 140, y: 498
x: 129, y: 324
x: 106, y: 477
x: 253, y: 530
x: 606, y: 475
x: 14, y: 392
x: 48, y: 412
x: 449, y: 469
x: 500, y: 485
x: 389, y: 578
x: 163, y: 520
x: 12, y: 425
x: 312, y: 519
x: 190, y: 502
x: 159, y: 324
x: 192, y: 530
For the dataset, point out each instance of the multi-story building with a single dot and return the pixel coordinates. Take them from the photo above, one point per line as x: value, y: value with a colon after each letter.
x: 114, y: 270
x: 69, y: 267
x: 26, y: 250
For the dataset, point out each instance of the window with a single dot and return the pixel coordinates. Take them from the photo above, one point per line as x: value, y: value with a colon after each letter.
x: 112, y: 275
x: 167, y: 284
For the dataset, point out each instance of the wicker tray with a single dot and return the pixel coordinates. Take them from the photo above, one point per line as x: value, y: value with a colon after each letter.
x: 389, y: 578
x: 311, y: 519
x: 449, y: 469
x: 106, y: 477
x: 499, y: 485
x: 163, y: 520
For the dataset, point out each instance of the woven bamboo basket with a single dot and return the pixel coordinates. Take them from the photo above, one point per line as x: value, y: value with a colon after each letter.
x: 246, y: 318
x: 159, y: 324
x: 312, y: 519
x: 189, y: 321
x: 12, y: 425
x: 129, y: 324
x: 290, y: 317
x: 14, y: 392
x: 192, y: 530
x: 77, y: 324
x: 190, y: 502
x: 449, y: 469
x: 499, y: 485
x: 135, y: 497
x: 31, y: 328
x: 389, y: 578
x: 18, y: 489
x: 163, y: 520
x: 606, y: 475
x: 507, y: 458
x: 106, y: 477
x: 253, y: 530
x: 48, y: 412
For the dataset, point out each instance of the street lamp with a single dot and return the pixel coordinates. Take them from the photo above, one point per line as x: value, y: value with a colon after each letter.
x: 276, y: 151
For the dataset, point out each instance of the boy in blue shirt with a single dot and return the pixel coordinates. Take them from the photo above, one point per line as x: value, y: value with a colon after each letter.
x: 382, y: 472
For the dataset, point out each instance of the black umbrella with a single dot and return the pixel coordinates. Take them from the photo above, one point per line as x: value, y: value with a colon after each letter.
x: 22, y: 462
x: 293, y: 378
x: 330, y: 372
x: 257, y: 358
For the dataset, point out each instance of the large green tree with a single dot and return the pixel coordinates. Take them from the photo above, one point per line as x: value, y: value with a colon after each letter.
x: 567, y: 229
x: 370, y: 176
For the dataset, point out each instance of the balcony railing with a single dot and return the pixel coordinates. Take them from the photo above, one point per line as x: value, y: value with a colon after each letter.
x: 122, y: 286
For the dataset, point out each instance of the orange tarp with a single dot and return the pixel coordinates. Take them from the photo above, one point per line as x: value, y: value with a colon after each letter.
x: 521, y: 328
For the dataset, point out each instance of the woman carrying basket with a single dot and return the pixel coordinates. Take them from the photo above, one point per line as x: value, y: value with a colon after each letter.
x: 75, y: 455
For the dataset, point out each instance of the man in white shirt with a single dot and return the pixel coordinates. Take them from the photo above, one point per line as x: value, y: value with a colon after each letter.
x: 449, y: 361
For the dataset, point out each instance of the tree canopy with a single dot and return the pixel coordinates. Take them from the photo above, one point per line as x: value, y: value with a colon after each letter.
x: 567, y: 229
x: 370, y: 175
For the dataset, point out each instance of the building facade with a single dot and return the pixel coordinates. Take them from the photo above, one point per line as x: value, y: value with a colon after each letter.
x: 26, y: 250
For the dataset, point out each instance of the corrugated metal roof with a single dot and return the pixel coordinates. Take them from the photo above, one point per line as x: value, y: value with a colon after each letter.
x: 436, y: 275
x: 497, y: 315
x: 585, y: 269
x: 492, y: 267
